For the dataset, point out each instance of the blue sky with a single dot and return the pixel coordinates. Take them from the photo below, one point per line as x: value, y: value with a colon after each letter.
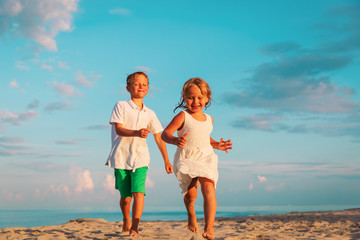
x: 285, y: 82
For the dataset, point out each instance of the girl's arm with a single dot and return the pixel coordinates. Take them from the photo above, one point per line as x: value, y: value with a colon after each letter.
x: 176, y: 123
x: 121, y: 131
x: 162, y: 147
x: 222, y: 145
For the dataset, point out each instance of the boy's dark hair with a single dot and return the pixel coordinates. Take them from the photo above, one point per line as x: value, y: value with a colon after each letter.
x: 132, y: 76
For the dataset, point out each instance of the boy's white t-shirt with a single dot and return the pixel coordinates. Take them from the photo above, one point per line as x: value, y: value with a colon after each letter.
x: 131, y: 153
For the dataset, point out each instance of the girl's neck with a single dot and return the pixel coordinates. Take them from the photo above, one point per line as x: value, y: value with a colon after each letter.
x: 200, y: 116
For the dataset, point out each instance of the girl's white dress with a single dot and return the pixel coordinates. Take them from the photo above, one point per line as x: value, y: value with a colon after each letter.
x: 197, y: 158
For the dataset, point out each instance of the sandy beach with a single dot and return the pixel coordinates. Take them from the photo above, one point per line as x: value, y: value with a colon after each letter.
x: 299, y: 225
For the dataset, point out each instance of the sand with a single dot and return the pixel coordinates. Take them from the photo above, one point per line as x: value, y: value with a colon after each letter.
x: 305, y: 225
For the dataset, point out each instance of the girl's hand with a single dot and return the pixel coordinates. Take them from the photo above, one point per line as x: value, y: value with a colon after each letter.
x: 225, y: 145
x: 180, y: 141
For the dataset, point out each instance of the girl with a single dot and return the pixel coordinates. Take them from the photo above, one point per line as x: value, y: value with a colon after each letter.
x: 195, y: 162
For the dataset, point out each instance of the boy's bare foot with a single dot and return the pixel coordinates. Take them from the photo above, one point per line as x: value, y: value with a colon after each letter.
x: 192, y: 224
x: 126, y: 225
x: 209, y: 234
x: 133, y: 233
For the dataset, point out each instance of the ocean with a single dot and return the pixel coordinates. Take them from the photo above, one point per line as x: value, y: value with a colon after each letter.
x: 34, y: 218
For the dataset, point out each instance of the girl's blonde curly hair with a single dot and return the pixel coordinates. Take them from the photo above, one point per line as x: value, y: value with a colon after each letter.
x: 201, y: 84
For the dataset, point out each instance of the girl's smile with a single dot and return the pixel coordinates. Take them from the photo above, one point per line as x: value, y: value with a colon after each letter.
x: 195, y: 101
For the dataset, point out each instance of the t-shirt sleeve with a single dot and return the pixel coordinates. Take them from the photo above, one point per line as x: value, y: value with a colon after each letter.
x: 155, y: 125
x: 117, y: 115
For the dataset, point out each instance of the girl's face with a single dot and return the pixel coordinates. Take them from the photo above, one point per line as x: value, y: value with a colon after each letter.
x: 195, y: 101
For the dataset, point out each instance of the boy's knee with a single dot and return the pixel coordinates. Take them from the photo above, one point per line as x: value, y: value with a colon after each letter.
x: 126, y: 200
x: 138, y: 195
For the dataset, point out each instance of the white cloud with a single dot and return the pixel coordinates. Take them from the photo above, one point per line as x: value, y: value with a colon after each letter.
x: 82, y: 80
x: 64, y: 89
x: 63, y: 65
x: 19, y: 65
x: 56, y: 106
x: 14, y: 196
x: 329, y: 125
x: 84, y: 182
x: 60, y: 190
x: 15, y: 118
x: 149, y: 183
x: 11, y: 8
x: 14, y: 84
x: 11, y: 139
x: 291, y: 169
x: 38, y: 20
x: 261, y: 178
x: 46, y: 67
x: 300, y: 79
x: 272, y: 188
x: 67, y: 141
x: 18, y: 151
x: 109, y: 183
x: 98, y: 127
x: 11, y: 196
x: 262, y: 122
x: 37, y: 194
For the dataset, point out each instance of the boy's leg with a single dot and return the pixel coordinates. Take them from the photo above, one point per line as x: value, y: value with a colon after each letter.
x: 123, y: 184
x: 138, y: 207
x: 125, y: 205
x: 189, y: 200
x: 138, y: 179
x: 210, y: 204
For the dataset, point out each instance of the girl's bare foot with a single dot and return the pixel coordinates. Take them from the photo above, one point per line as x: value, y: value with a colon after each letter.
x: 126, y: 224
x: 192, y: 224
x: 209, y: 234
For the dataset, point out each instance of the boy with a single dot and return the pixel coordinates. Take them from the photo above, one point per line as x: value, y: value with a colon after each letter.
x: 131, y: 122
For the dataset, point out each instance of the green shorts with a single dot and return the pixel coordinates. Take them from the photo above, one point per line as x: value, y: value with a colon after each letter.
x: 127, y: 181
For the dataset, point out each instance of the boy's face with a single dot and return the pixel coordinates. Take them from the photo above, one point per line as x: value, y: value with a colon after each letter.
x: 139, y: 87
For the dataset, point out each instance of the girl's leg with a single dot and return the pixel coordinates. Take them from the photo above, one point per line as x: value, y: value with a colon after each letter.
x: 138, y: 207
x: 189, y: 200
x: 210, y: 204
x: 125, y: 204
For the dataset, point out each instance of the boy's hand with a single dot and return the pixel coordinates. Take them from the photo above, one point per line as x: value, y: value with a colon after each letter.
x: 143, y: 133
x: 225, y: 145
x: 168, y: 168
x: 180, y: 141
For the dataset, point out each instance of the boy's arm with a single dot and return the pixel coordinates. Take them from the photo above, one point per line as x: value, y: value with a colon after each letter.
x: 121, y: 131
x: 162, y: 147
x: 176, y: 123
